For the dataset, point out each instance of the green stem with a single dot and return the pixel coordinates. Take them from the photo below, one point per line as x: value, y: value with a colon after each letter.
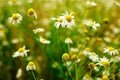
x: 68, y: 72
x: 76, y: 71
x: 33, y: 75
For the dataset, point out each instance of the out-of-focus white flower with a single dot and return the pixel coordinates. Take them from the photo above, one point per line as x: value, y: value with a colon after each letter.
x: 31, y: 66
x: 94, y: 57
x: 89, y: 4
x: 117, y: 3
x: 115, y: 59
x: 68, y: 40
x: 111, y: 51
x: 87, y: 77
x: 104, y: 62
x: 91, y: 24
x: 74, y: 50
x: 19, y: 73
x: 14, y: 2
x: 21, y: 52
x: 31, y: 12
x: 43, y: 40
x: 86, y: 51
x: 106, y: 72
x: 38, y: 30
x: 15, y: 18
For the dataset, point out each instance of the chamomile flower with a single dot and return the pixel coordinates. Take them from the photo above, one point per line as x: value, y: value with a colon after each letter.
x: 91, y: 24
x: 89, y: 4
x: 31, y: 12
x: 69, y: 19
x: 12, y: 2
x: 30, y: 66
x: 111, y: 51
x: 15, y: 18
x: 104, y: 62
x: 38, y: 30
x: 68, y: 40
x: 86, y: 51
x: 59, y: 22
x: 21, y: 52
x: 94, y: 57
x: 43, y: 40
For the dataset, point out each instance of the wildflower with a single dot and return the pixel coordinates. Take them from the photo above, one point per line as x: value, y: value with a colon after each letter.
x: 38, y: 30
x: 111, y: 51
x: 104, y: 62
x: 16, y: 18
x: 59, y: 22
x: 93, y: 66
x: 69, y: 19
x: 87, y: 77
x: 105, y: 77
x: 31, y: 12
x: 19, y: 73
x: 106, y: 20
x: 21, y: 52
x: 12, y: 2
x: 90, y: 4
x: 45, y: 41
x: 68, y: 40
x: 65, y: 57
x: 31, y: 66
x: 93, y: 56
x: 91, y: 24
x: 74, y: 50
x: 86, y: 51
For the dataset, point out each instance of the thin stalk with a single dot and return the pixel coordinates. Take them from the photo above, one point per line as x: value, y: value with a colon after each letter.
x: 33, y: 75
x: 76, y: 73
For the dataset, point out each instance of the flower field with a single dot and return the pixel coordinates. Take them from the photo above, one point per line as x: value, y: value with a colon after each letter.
x: 59, y: 39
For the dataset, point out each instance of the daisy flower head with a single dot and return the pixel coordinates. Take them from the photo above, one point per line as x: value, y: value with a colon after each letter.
x: 44, y: 41
x: 21, y: 52
x: 59, y: 22
x: 104, y: 62
x: 91, y: 4
x: 15, y: 18
x: 94, y: 57
x: 31, y: 12
x: 91, y: 24
x: 38, y: 30
x: 69, y: 19
x: 68, y: 40
x: 12, y: 2
x: 19, y: 73
x: 111, y: 51
x: 86, y: 51
x: 30, y: 66
x: 65, y: 57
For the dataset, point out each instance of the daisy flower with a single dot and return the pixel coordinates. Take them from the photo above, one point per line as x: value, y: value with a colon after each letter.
x: 111, y: 51
x: 59, y: 22
x: 30, y: 66
x: 68, y: 40
x: 94, y: 57
x: 86, y: 51
x: 104, y: 62
x: 31, y: 12
x: 38, y: 30
x: 15, y: 18
x: 12, y: 2
x: 21, y: 52
x: 43, y: 40
x: 69, y: 19
x: 89, y: 4
x: 91, y: 24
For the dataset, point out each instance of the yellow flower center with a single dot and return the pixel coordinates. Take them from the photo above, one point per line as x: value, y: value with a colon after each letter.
x: 105, y: 63
x: 69, y: 18
x: 15, y: 16
x: 91, y: 23
x: 93, y: 53
x: 31, y: 63
x: 14, y: 1
x: 111, y: 48
x: 65, y: 56
x: 104, y: 77
x: 87, y: 76
x: 20, y: 50
x: 31, y: 11
x: 87, y: 49
x: 59, y: 20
